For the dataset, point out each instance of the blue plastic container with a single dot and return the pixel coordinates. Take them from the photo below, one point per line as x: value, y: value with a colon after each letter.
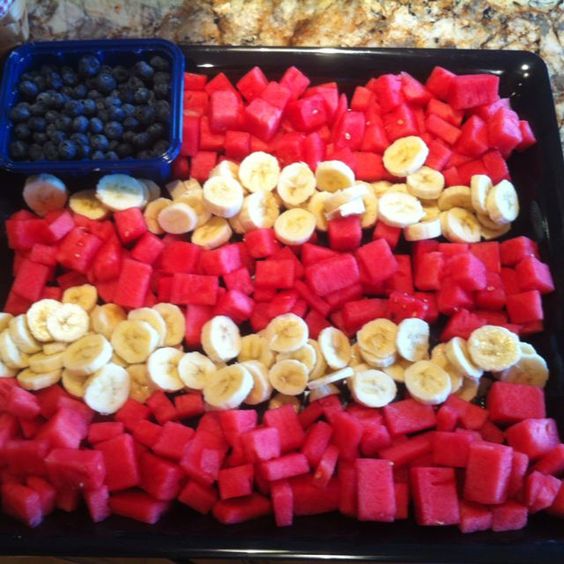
x: 112, y: 52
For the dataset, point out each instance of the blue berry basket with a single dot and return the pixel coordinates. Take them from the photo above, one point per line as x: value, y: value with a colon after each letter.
x: 124, y: 52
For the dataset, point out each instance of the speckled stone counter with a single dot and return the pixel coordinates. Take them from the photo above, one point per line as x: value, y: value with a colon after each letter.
x: 532, y: 25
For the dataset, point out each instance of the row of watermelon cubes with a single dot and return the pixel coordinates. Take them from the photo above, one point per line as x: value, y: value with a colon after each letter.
x: 469, y: 129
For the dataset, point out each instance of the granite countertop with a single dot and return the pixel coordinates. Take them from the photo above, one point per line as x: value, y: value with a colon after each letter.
x: 532, y: 25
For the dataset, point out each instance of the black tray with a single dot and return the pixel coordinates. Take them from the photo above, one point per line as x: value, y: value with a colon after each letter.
x: 538, y: 174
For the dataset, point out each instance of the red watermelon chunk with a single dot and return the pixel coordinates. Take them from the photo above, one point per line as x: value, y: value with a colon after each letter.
x: 159, y: 478
x: 332, y: 274
x: 376, y: 494
x: 22, y: 503
x: 434, y: 496
x: 198, y: 497
x: 309, y: 499
x: 233, y: 511
x: 173, y: 440
x: 282, y: 503
x: 540, y: 491
x: 138, y: 505
x: 290, y: 431
x: 509, y: 516
x: 439, y: 82
x: 534, y: 437
x: 408, y: 416
x: 451, y: 449
x: 262, y: 444
x: 519, y: 466
x: 474, y: 517
x: 552, y: 462
x: 471, y: 90
x: 236, y: 481
x: 525, y: 307
x: 98, y: 503
x: 532, y: 274
x: 284, y: 467
x: 103, y: 431
x: 316, y: 441
x: 510, y: 403
x: 75, y: 469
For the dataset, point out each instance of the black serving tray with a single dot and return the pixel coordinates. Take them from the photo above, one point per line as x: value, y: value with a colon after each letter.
x: 539, y: 176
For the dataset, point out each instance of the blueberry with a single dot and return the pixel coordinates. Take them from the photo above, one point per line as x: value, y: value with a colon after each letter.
x: 144, y: 154
x: 40, y: 82
x: 143, y: 70
x: 63, y: 123
x: 100, y: 104
x: 124, y: 150
x: 94, y: 94
x: 39, y: 137
x: 131, y: 123
x: 141, y: 95
x: 89, y: 65
x: 161, y: 146
x: 69, y: 76
x: 96, y: 125
x: 18, y: 150
x: 54, y: 134
x: 28, y: 89
x: 159, y: 63
x: 129, y: 109
x: 68, y: 91
x: 57, y: 99
x: 128, y: 136
x: 113, y: 130
x: 28, y: 75
x: 80, y: 124
x: 104, y: 115
x: 162, y: 109
x: 37, y: 123
x: 51, y: 116
x: 105, y: 82
x: 161, y: 76
x: 135, y: 83
x: 50, y: 151
x: 112, y: 102
x: 98, y: 155
x: 113, y: 144
x: 89, y: 107
x: 162, y: 90
x: 44, y: 98
x: 38, y: 109
x: 156, y: 131
x: 36, y: 152
x: 116, y: 113
x: 111, y: 156
x: 47, y: 69
x: 99, y: 142
x: 142, y: 140
x: 126, y: 93
x: 84, y: 151
x: 54, y: 80
x: 80, y: 138
x: 22, y: 131
x: 80, y: 91
x: 74, y: 108
x: 67, y: 150
x: 20, y: 112
x: 146, y: 114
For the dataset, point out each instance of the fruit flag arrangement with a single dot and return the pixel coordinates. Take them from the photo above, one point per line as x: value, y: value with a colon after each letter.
x: 142, y: 330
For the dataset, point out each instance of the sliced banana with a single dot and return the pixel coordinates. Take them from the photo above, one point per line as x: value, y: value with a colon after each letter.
x: 331, y: 176
x: 213, y: 234
x: 400, y: 210
x: 457, y: 353
x: 295, y: 226
x: 5, y: 319
x: 44, y: 193
x: 195, y: 199
x: 73, y: 383
x: 116, y: 359
x: 480, y: 185
x: 140, y: 385
x: 262, y: 388
x: 34, y: 381
x: 229, y: 387
x: 460, y: 226
x: 85, y: 296
x: 255, y: 347
x: 134, y: 341
x: 377, y: 341
x: 21, y: 335
x: 153, y: 318
x: 405, y: 156
x: 259, y: 172
x: 349, y: 195
x: 296, y: 184
x: 286, y: 333
x: 151, y: 214
x: 104, y: 318
x: 87, y: 355
x: 399, y: 187
x: 335, y: 346
x: 221, y: 339
x: 530, y: 369
x: 527, y: 349
x: 440, y: 358
x: 41, y: 362
x: 152, y: 189
x: 455, y: 197
x: 162, y: 366
x: 235, y: 223
x: 380, y: 187
x: 175, y: 323
x: 494, y: 348
x: 412, y: 339
x: 107, y: 389
x: 469, y: 389
x: 54, y: 348
x: 488, y: 233
x: 323, y: 392
x: 306, y: 355
x: 356, y: 355
x: 425, y: 183
x: 502, y: 203
x: 289, y: 377
x: 370, y: 214
x: 316, y: 206
x: 177, y: 188
x: 37, y: 316
x: 342, y: 374
x: 177, y: 218
x: 430, y: 229
x: 397, y: 370
x: 372, y: 388
x: 194, y: 369
x: 320, y: 366
x: 225, y: 168
x: 427, y: 382
x: 120, y: 192
x: 223, y: 196
x: 85, y: 203
x: 68, y: 323
x: 280, y: 400
x: 260, y: 210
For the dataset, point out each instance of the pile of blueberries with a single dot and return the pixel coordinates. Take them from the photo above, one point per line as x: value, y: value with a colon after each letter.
x: 94, y: 111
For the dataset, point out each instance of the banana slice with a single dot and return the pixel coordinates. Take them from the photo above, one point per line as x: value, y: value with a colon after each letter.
x: 397, y: 370
x: 480, y: 186
x: 306, y: 355
x: 259, y: 172
x: 5, y: 319
x: 337, y: 376
x: 455, y: 197
x: 194, y: 369
x: 41, y: 362
x: 140, y: 386
x: 457, y: 353
x: 430, y: 229
x: 151, y: 214
x: 153, y: 318
x: 372, y: 388
x: 34, y: 381
x: 316, y: 206
x: 6, y: 372
x: 469, y: 389
x: 178, y: 187
x: 213, y: 234
x: 120, y: 192
x: 296, y: 184
x: 177, y: 218
x: 152, y: 189
x: 427, y: 382
x: 54, y: 348
x: 262, y: 388
x: 84, y: 296
x: 295, y: 226
x: 236, y: 225
x: 73, y: 383
x: 85, y: 356
x: 85, y: 203
x: 337, y: 199
x: 335, y: 347
x: 331, y: 176
x: 412, y: 339
x: 527, y: 349
x: 223, y: 196
x: 255, y: 347
x: 440, y: 358
x: 377, y: 341
x: 405, y: 156
x: 289, y: 377
x: 502, y: 203
x: 530, y: 369
x: 225, y: 168
x: 107, y: 389
x: 370, y: 215
x: 286, y: 333
x: 260, y: 210
x: 175, y: 323
x: 494, y: 348
x: 195, y: 199
x: 221, y: 339
x: 356, y: 207
x: 104, y: 319
x: 320, y: 365
x: 380, y: 187
x: 323, y: 392
x: 426, y: 183
x: 400, y: 210
x: 399, y: 187
x: 356, y: 355
x: 280, y: 400
x: 37, y: 316
x: 134, y: 341
x: 229, y: 387
x: 116, y: 359
x: 68, y: 323
x: 460, y: 226
x: 488, y: 233
x: 162, y: 366
x: 431, y: 210
x: 44, y: 193
x: 21, y: 335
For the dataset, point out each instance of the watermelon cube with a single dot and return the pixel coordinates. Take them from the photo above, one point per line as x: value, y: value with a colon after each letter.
x: 133, y: 283
x: 452, y: 298
x: 504, y: 131
x: 66, y: 429
x: 534, y: 275
x: 509, y: 516
x: 513, y: 251
x: 173, y: 440
x: 286, y: 466
x: 375, y: 437
x: 451, y: 449
x: 161, y: 407
x: 332, y: 274
x: 439, y: 82
x: 471, y: 90
x: 159, y: 478
x: 434, y: 496
x: 347, y: 433
x: 22, y: 503
x: 510, y: 403
x: 525, y: 307
x: 138, y: 505
x: 377, y: 260
x: 25, y: 457
x: 376, y: 499
x: 345, y: 233
x: 236, y: 481
x: 220, y: 261
x: 462, y: 324
x: 286, y: 421
x: 98, y: 504
x: 316, y: 442
x: 401, y: 490
x: 104, y: 431
x: 148, y: 248
x: 357, y: 313
x: 233, y: 511
x: 202, y: 164
x: 519, y: 467
x: 310, y: 499
x: 31, y: 279
x: 408, y: 416
x: 146, y: 433
x: 540, y: 491
x: 442, y: 129
x: 75, y: 469
x: 474, y: 517
x: 275, y: 274
x: 194, y: 289
x: 180, y: 256
x: 403, y: 306
x: 77, y: 250
x: 47, y: 493
x: 557, y: 507
x: 236, y: 305
x: 262, y: 119
x: 198, y: 497
x: 261, y: 243
x: 467, y: 271
x: 235, y: 422
x: 18, y: 402
x: 131, y: 413
x: 404, y: 451
x: 282, y: 503
x: 262, y: 444
x: 196, y: 318
x: 493, y: 296
x: 428, y: 271
x: 130, y: 224
x: 534, y: 437
x: 552, y: 462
